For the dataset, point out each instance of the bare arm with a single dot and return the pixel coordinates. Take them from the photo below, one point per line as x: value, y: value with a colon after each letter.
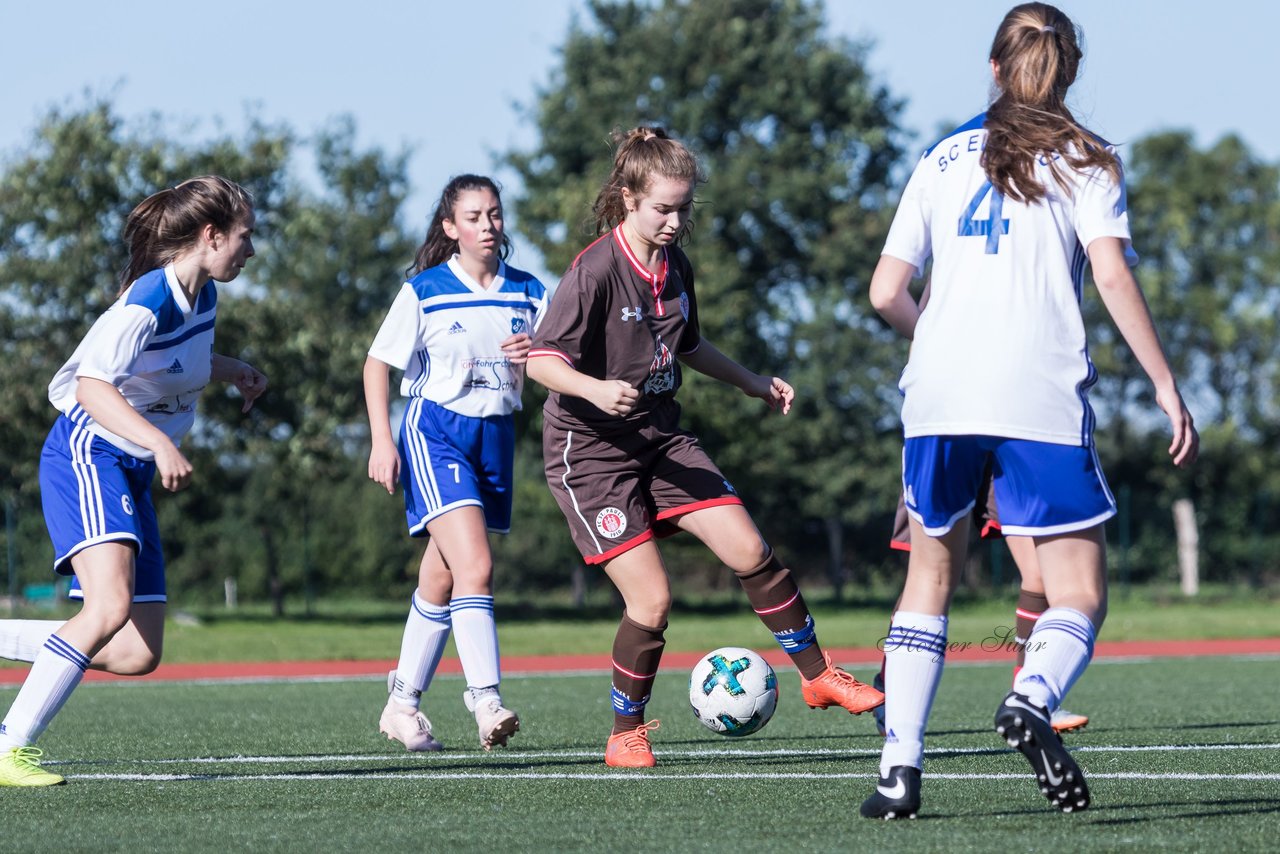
x: 249, y: 380
x: 107, y: 406
x: 774, y: 391
x: 612, y: 397
x: 384, y: 459
x: 891, y: 298
x: 1128, y: 309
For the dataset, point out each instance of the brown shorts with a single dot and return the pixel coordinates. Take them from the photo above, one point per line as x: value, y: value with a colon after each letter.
x: 986, y: 521
x: 621, y: 490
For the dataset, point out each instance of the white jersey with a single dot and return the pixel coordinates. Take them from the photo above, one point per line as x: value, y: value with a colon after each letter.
x: 1000, y: 347
x: 152, y: 345
x: 445, y: 331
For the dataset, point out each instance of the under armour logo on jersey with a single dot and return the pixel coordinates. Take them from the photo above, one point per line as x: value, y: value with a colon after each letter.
x: 175, y: 368
x: 456, y: 328
x: 629, y: 313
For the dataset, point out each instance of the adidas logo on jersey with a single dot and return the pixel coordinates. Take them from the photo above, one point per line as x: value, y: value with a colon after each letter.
x: 456, y: 328
x: 175, y: 368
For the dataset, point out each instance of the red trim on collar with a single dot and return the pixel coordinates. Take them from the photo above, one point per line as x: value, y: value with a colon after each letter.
x: 656, y: 283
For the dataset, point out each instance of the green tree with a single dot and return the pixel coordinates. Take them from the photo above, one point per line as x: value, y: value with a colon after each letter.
x: 1206, y: 224
x: 799, y: 142
x: 279, y: 499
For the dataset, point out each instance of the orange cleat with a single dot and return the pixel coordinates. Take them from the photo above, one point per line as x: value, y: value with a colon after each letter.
x: 631, y: 749
x: 834, y: 687
x: 1064, y: 721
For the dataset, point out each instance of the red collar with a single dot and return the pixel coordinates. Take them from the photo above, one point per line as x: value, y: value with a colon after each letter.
x: 656, y: 282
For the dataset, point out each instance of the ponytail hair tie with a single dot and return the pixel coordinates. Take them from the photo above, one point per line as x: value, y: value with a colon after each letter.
x: 1048, y: 29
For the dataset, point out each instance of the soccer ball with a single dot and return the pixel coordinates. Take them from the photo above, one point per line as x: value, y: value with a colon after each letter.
x: 733, y: 691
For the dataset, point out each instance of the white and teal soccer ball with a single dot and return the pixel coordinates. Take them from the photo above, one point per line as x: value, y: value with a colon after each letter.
x: 733, y: 691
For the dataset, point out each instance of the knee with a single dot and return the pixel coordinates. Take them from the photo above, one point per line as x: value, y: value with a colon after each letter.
x: 136, y: 663
x: 652, y: 609
x: 473, y: 580
x: 750, y: 555
x: 107, y: 618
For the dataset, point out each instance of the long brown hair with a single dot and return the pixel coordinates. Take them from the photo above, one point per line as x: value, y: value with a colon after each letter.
x: 644, y: 153
x: 1037, y: 52
x: 168, y: 222
x: 439, y: 247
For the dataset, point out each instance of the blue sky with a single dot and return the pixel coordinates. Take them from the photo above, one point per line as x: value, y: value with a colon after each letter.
x: 444, y: 79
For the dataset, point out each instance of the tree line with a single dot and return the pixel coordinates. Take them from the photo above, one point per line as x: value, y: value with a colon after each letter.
x: 805, y: 154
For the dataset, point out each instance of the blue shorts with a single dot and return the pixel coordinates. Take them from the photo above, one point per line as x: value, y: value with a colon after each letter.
x: 92, y: 493
x: 451, y: 461
x: 1041, y: 488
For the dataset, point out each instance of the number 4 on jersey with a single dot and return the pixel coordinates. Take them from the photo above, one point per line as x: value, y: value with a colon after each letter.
x: 993, y: 226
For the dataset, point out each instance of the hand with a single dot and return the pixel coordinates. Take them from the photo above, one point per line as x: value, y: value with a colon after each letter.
x: 614, y: 397
x: 384, y: 466
x: 251, y: 382
x: 1186, y: 441
x: 175, y: 471
x: 774, y: 391
x: 516, y: 348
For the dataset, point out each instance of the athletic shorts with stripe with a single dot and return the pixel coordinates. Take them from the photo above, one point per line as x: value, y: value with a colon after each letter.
x: 92, y: 493
x: 1042, y: 488
x: 986, y: 519
x: 451, y: 461
x: 620, y: 490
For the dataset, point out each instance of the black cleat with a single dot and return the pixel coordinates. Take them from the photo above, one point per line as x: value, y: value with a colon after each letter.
x: 1026, y: 726
x: 897, y: 796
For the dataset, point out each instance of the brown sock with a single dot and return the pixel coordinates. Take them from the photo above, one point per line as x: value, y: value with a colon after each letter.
x: 777, y: 601
x: 1030, y: 607
x: 637, y: 650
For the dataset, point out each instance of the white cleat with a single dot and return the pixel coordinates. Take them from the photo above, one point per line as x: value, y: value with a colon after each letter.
x: 409, y: 726
x: 495, y: 722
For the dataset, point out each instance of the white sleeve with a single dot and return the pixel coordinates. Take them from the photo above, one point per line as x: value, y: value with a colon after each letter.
x: 114, y: 343
x: 909, y: 236
x: 1102, y: 210
x: 540, y: 310
x: 397, y: 338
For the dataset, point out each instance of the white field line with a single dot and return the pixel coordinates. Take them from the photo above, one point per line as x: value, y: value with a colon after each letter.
x: 519, y: 756
x: 536, y: 674
x: 624, y: 777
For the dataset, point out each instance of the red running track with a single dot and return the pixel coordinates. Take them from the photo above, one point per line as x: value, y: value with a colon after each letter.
x: 518, y: 664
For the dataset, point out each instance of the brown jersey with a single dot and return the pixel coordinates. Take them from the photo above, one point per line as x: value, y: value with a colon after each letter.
x: 612, y: 319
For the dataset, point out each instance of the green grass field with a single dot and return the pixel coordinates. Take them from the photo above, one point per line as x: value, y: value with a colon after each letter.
x: 338, y: 629
x: 1181, y: 755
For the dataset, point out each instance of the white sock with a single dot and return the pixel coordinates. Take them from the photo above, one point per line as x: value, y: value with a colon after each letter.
x: 54, y: 675
x: 22, y: 640
x: 476, y: 636
x: 425, y: 634
x: 914, y: 653
x: 1058, y: 651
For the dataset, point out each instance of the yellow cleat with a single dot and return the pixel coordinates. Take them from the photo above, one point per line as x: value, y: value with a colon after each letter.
x: 21, y: 767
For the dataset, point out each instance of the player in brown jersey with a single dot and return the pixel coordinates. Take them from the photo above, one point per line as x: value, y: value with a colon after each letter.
x: 610, y: 349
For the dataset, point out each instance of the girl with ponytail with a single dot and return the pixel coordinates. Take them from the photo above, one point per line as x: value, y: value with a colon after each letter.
x: 623, y: 322
x: 459, y: 330
x: 125, y: 398
x: 1011, y: 206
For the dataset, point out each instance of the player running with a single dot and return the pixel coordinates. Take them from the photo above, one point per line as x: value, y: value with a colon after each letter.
x: 127, y: 396
x: 1011, y: 206
x: 622, y: 322
x: 460, y: 330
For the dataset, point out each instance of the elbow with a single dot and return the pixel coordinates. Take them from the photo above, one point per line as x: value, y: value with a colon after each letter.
x: 881, y: 299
